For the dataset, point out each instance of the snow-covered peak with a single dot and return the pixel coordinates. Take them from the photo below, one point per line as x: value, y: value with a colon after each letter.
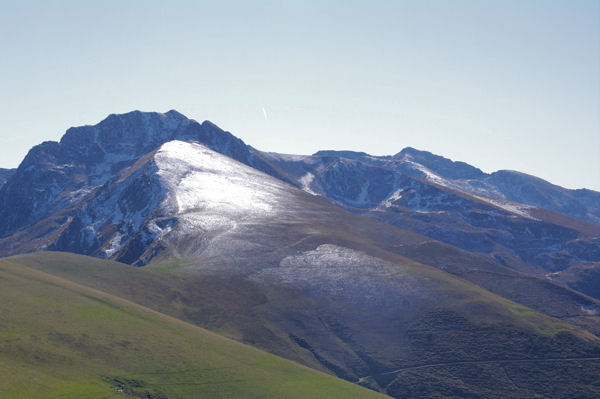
x: 200, y: 179
x: 181, y: 196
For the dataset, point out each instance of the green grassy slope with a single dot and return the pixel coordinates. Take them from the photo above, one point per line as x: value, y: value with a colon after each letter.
x: 224, y: 304
x: 451, y: 330
x: 60, y: 339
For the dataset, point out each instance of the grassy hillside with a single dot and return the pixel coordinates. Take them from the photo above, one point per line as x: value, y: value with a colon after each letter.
x: 60, y: 339
x: 439, y: 326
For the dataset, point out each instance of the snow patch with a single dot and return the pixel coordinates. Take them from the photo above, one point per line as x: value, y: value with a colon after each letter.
x: 364, y: 192
x: 329, y: 263
x: 589, y: 309
x: 157, y: 231
x: 114, y: 245
x: 305, y: 181
x: 201, y: 179
x: 202, y: 222
x: 82, y: 192
x: 335, y: 271
x: 392, y: 198
x: 429, y: 175
x: 512, y: 207
x: 212, y: 193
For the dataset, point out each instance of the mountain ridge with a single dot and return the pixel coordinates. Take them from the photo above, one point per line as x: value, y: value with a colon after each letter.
x: 56, y: 177
x: 496, y: 184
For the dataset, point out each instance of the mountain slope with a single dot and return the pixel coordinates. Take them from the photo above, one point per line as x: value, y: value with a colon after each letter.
x: 186, y: 201
x: 62, y: 339
x: 403, y: 192
x: 415, y: 315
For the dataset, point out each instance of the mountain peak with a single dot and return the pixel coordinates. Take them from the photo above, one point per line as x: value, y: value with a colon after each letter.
x: 137, y: 113
x: 412, y: 152
x: 442, y: 166
x: 175, y: 114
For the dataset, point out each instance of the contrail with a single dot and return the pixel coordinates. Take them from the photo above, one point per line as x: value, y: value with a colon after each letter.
x: 265, y: 113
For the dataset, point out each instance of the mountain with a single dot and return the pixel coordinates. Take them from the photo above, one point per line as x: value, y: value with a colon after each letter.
x: 326, y: 260
x: 54, y: 175
x: 403, y: 192
x: 178, y: 193
x: 504, y: 184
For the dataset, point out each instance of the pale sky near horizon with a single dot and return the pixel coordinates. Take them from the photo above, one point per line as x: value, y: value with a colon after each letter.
x: 497, y: 84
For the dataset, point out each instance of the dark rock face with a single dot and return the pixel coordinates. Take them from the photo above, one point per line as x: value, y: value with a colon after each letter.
x: 5, y: 174
x: 33, y: 191
x: 54, y: 175
x: 354, y: 183
x: 117, y: 211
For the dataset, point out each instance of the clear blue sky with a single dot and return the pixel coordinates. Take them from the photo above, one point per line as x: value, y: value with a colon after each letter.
x: 498, y: 84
